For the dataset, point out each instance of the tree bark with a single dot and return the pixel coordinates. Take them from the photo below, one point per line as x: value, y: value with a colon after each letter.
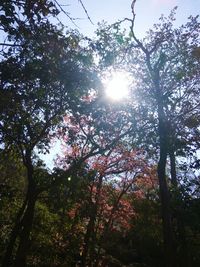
x: 91, y: 226
x: 27, y: 221
x: 181, y: 238
x: 89, y: 233
x: 163, y: 132
x: 24, y: 239
x: 170, y: 256
x: 173, y: 168
x: 7, y: 260
x: 24, y: 221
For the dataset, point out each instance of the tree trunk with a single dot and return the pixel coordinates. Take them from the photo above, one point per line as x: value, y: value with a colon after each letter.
x: 170, y: 256
x: 24, y: 240
x: 22, y: 227
x: 173, y: 168
x: 163, y: 132
x: 89, y: 233
x: 27, y: 220
x: 183, y: 249
x: 7, y: 260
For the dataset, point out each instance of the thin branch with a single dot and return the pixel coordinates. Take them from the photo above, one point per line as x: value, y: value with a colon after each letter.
x: 85, y: 10
x: 6, y: 44
x: 133, y: 10
x: 66, y: 13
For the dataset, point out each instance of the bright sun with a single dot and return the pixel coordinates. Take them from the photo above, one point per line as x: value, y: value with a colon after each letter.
x: 117, y: 87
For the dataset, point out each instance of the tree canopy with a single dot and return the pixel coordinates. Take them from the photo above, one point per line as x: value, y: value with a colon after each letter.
x: 124, y: 190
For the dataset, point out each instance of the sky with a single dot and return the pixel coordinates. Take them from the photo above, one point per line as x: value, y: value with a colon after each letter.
x: 147, y: 12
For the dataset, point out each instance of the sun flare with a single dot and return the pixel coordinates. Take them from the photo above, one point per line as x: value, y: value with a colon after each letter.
x: 117, y: 86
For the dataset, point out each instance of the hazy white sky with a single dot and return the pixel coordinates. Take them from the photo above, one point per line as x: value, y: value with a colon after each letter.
x: 147, y: 12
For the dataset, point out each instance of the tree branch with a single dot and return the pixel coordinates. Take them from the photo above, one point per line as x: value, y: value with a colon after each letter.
x: 85, y: 10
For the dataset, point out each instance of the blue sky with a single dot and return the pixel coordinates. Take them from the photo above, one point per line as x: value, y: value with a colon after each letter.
x: 147, y: 12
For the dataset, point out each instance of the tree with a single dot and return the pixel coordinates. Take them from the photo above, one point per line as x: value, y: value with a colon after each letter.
x: 173, y: 78
x: 49, y: 89
x: 100, y: 139
x: 43, y: 74
x: 164, y: 67
x: 12, y: 183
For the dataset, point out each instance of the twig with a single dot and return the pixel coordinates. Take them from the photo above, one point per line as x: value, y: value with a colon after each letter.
x: 7, y: 44
x: 66, y: 13
x: 85, y: 10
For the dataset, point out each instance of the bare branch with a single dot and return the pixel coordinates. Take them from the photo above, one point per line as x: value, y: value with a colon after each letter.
x: 12, y: 45
x: 133, y: 9
x: 85, y: 10
x: 66, y: 13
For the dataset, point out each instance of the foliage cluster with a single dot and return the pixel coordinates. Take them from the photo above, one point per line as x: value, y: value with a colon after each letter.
x: 125, y: 189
